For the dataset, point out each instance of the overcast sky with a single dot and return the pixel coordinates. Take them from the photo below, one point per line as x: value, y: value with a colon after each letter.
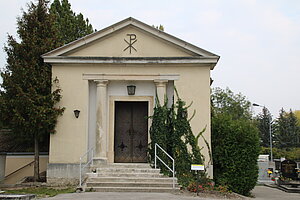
x: 258, y: 40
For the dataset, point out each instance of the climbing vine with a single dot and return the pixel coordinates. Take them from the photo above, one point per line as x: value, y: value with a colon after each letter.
x: 172, y: 131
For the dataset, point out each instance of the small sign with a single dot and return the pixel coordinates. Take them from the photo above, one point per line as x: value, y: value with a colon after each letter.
x: 197, y: 167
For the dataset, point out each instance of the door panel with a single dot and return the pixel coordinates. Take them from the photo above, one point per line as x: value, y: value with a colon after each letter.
x: 131, y: 131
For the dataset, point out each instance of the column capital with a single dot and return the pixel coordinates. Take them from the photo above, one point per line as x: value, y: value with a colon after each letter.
x: 101, y: 83
x: 160, y: 83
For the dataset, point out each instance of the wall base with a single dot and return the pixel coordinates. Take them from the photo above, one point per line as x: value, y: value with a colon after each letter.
x: 62, y: 174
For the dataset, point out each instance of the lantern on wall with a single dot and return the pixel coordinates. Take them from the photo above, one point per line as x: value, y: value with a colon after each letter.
x: 131, y: 89
x: 76, y: 113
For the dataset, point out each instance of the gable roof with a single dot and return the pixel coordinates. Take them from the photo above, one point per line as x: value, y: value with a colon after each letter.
x: 201, y: 55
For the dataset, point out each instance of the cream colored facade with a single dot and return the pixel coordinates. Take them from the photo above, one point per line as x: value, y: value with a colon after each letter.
x: 93, y: 73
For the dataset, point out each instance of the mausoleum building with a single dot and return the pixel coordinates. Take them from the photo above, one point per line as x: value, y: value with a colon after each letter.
x: 109, y: 81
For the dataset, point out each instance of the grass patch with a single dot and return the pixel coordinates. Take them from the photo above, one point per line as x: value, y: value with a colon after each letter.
x: 41, y: 191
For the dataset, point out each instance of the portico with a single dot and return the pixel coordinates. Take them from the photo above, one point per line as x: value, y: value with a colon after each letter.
x: 105, y: 105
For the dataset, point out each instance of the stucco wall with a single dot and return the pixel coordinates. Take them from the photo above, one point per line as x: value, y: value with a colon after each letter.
x: 71, y: 139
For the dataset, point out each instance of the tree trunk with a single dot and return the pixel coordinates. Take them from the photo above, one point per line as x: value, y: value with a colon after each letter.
x: 36, y: 176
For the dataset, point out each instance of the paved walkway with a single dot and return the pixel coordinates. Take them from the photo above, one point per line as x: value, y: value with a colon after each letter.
x: 126, y: 196
x: 260, y: 193
x: 266, y: 193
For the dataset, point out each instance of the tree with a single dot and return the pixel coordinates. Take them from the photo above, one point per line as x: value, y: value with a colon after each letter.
x: 263, y: 121
x: 297, y: 114
x: 235, y: 142
x: 1, y: 123
x: 160, y: 27
x: 71, y: 26
x: 225, y: 101
x: 287, y: 130
x: 28, y: 105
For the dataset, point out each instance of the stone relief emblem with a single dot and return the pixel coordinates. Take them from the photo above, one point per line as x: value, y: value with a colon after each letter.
x: 132, y: 40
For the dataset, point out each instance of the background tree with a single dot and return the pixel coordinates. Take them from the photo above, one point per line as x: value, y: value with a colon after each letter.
x: 27, y: 80
x: 297, y: 114
x: 225, y: 101
x: 287, y: 130
x: 27, y: 101
x: 160, y: 27
x: 71, y: 26
x: 235, y: 141
x: 1, y: 102
x: 263, y: 121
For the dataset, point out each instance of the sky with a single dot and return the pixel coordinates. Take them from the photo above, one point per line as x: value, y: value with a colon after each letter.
x: 258, y: 40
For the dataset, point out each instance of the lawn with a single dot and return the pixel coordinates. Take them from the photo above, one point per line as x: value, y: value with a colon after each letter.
x: 41, y: 191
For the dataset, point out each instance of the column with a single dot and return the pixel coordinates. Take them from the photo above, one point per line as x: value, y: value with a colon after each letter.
x: 101, y: 121
x: 161, y: 90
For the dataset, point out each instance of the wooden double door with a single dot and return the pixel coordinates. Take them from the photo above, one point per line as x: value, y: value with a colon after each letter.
x: 131, y: 132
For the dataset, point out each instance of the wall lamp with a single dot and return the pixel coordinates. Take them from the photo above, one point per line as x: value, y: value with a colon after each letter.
x: 76, y: 113
x: 131, y: 89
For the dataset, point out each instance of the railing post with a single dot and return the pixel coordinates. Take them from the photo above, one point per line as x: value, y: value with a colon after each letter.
x: 80, y: 173
x: 173, y: 174
x: 155, y: 156
x: 92, y: 156
x: 173, y: 161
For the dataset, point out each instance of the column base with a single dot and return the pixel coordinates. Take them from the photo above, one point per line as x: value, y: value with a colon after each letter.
x: 99, y: 161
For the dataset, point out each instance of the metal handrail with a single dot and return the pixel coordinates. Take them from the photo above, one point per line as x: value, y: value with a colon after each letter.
x: 156, y: 157
x: 82, y: 166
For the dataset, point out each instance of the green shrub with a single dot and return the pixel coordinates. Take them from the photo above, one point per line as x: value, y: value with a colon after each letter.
x: 235, y: 144
x: 172, y: 131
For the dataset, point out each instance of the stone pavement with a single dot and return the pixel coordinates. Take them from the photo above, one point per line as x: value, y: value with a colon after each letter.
x: 260, y: 193
x: 125, y: 196
x: 268, y: 193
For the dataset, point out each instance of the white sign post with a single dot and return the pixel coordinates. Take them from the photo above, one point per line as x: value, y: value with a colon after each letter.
x: 197, y: 168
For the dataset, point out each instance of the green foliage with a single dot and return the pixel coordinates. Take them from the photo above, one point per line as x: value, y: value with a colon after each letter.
x: 1, y: 123
x: 159, y: 125
x: 70, y: 25
x: 287, y: 130
x: 171, y: 130
x: 27, y: 100
x: 207, y: 186
x: 27, y: 104
x: 297, y: 114
x: 160, y: 27
x: 41, y: 191
x: 235, y: 142
x: 225, y: 101
x: 290, y: 154
x: 263, y: 121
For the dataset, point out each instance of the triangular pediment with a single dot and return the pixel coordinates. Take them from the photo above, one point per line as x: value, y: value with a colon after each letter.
x: 130, y: 39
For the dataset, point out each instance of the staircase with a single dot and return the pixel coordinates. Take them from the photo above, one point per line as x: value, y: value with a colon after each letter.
x: 129, y: 177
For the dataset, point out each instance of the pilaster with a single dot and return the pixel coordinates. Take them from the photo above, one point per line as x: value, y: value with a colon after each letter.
x: 161, y: 90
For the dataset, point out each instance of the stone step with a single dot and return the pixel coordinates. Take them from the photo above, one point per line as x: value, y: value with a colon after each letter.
x: 130, y: 184
x: 123, y: 165
x: 132, y: 189
x: 127, y: 170
x: 115, y: 174
x: 128, y: 177
x: 132, y: 179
